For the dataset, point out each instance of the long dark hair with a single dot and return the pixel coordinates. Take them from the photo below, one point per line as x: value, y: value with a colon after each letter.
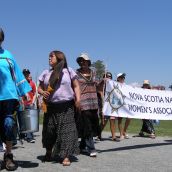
x: 1, y: 35
x: 57, y: 69
x: 60, y: 56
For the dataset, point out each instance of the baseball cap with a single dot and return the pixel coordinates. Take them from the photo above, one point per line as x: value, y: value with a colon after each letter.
x: 121, y: 75
x: 84, y: 56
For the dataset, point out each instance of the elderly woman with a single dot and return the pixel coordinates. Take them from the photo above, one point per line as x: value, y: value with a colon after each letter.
x: 147, y: 125
x: 60, y: 88
x: 12, y: 86
x: 89, y: 122
x: 123, y: 132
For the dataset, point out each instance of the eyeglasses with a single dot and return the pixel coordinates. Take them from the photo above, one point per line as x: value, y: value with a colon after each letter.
x: 121, y: 77
x: 108, y: 76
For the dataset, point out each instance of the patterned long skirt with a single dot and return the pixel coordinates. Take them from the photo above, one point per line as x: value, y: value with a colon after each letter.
x: 148, y: 126
x: 59, y: 129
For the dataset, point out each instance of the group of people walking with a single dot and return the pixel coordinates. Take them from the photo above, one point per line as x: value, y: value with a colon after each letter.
x: 69, y: 100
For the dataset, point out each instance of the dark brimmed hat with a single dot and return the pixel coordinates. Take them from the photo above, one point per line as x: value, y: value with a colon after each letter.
x: 84, y: 56
x: 26, y: 72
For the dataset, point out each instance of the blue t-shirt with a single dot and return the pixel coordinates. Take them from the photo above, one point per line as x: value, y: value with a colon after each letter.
x: 12, y: 81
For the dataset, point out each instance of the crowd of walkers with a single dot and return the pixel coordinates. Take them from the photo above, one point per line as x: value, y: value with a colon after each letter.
x: 71, y: 102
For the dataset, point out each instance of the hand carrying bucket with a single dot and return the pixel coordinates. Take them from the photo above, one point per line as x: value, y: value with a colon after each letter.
x: 28, y: 120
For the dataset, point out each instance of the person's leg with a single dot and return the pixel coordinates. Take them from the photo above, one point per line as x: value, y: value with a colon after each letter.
x: 112, y: 128
x: 90, y: 145
x: 1, y: 145
x: 82, y: 145
x: 8, y: 125
x: 102, y: 126
x: 48, y: 135
x: 141, y: 133
x: 127, y: 123
x: 9, y: 136
x: 120, y: 128
x: 30, y: 138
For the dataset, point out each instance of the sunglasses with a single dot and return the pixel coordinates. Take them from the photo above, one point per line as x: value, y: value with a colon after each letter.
x: 108, y: 76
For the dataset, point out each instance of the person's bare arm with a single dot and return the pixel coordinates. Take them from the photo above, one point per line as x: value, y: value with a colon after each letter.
x: 77, y: 91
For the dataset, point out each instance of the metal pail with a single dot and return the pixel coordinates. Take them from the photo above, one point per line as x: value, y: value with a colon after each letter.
x: 28, y: 120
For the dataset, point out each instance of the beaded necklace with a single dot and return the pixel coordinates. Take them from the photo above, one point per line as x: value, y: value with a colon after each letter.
x: 87, y: 79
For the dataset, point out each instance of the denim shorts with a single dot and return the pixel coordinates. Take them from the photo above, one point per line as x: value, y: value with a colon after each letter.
x: 7, y: 121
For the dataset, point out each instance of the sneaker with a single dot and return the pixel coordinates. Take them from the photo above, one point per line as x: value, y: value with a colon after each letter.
x: 31, y: 140
x: 9, y: 163
x: 93, y: 154
x: 4, y: 146
x: 98, y: 138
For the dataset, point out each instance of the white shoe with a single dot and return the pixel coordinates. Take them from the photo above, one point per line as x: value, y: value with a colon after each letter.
x: 93, y: 154
x: 4, y: 146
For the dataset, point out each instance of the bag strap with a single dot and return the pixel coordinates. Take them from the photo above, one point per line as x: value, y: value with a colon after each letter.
x: 11, y: 68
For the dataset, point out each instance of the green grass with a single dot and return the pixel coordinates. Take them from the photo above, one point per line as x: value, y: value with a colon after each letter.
x: 163, y: 129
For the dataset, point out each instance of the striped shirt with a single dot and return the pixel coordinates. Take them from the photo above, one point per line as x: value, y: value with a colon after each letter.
x: 89, y: 100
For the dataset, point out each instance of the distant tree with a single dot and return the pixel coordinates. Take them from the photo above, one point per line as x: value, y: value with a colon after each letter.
x: 170, y: 86
x: 100, y: 69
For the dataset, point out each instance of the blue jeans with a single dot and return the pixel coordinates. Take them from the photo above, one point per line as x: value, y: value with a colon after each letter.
x: 7, y: 121
x: 87, y: 143
x: 29, y: 136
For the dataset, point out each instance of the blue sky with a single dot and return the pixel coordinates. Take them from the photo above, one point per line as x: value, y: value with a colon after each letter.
x: 131, y: 36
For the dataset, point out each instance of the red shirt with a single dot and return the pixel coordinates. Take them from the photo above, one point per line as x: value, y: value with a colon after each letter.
x: 31, y: 93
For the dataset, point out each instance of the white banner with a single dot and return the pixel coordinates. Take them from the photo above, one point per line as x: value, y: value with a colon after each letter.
x: 122, y: 100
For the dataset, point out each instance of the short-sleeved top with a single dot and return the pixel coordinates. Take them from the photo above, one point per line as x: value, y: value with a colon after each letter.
x: 63, y: 90
x: 31, y: 93
x: 89, y: 100
x: 12, y: 81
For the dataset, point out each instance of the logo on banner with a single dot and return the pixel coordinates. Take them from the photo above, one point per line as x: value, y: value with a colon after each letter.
x: 115, y: 98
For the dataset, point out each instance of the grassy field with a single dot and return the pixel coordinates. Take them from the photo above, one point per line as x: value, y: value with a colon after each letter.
x: 163, y: 129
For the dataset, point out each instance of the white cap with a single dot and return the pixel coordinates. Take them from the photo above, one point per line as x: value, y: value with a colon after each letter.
x: 120, y: 75
x: 85, y: 57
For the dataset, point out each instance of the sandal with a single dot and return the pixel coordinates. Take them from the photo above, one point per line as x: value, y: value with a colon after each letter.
x: 126, y: 136
x: 66, y: 162
x: 121, y: 138
x: 152, y: 136
x: 115, y: 139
